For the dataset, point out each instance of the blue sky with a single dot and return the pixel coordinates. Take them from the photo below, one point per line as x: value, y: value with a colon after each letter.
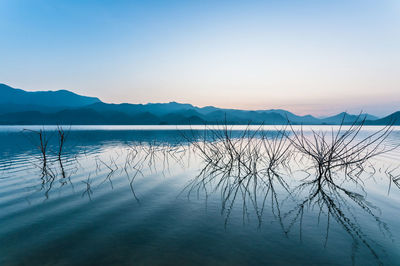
x: 317, y: 57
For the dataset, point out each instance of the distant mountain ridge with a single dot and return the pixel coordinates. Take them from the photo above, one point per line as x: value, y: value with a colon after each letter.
x: 390, y: 119
x: 61, y: 98
x: 64, y: 107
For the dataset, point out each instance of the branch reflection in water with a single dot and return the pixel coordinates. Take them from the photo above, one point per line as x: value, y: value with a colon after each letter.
x: 287, y: 170
x: 247, y: 168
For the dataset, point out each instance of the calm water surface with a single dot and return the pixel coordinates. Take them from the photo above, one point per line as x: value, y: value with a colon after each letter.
x: 143, y: 195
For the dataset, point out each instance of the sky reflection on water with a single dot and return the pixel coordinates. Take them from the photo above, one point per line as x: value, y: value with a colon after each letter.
x: 149, y: 196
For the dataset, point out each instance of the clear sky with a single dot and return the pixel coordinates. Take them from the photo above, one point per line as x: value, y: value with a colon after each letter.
x: 317, y: 57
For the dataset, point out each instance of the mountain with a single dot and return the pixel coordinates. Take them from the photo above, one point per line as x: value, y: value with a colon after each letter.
x: 387, y: 120
x: 346, y: 118
x: 306, y: 119
x: 210, y: 114
x: 64, y: 107
x: 82, y: 116
x: 20, y: 100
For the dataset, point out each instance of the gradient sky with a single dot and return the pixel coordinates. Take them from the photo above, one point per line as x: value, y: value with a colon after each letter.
x: 317, y: 57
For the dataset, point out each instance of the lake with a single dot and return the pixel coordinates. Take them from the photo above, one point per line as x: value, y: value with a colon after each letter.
x: 181, y: 195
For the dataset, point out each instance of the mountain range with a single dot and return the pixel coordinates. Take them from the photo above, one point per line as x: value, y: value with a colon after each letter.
x: 19, y: 107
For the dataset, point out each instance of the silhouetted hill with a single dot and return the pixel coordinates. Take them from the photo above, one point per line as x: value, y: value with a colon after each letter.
x: 208, y: 114
x: 346, y: 118
x: 12, y: 108
x: 64, y: 107
x: 390, y: 119
x: 82, y: 116
x: 20, y: 100
x: 306, y: 119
